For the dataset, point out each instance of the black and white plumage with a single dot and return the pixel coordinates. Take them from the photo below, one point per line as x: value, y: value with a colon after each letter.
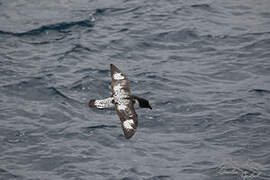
x: 123, y: 101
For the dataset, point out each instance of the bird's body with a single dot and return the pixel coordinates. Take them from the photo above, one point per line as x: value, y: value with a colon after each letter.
x: 123, y: 101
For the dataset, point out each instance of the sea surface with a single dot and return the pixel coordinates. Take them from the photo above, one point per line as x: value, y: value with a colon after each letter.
x: 204, y: 65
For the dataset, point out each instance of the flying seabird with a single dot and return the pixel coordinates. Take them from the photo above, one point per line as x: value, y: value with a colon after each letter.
x: 123, y: 101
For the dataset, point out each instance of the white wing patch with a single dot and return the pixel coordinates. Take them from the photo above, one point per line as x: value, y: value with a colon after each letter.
x: 120, y: 97
x: 118, y: 76
x: 118, y: 91
x: 117, y: 88
x: 127, y: 124
x: 121, y: 107
x: 104, y: 103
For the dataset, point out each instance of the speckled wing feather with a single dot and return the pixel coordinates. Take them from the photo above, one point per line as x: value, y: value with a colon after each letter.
x: 102, y: 103
x: 123, y: 102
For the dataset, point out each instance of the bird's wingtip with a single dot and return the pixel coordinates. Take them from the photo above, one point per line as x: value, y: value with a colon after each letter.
x: 91, y: 103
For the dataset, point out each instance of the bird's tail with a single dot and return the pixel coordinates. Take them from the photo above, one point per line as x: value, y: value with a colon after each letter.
x: 143, y: 103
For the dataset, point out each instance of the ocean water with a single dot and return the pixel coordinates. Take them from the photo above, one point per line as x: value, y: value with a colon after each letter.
x: 203, y: 65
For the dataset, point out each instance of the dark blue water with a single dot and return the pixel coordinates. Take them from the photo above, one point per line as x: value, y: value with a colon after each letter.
x: 204, y: 66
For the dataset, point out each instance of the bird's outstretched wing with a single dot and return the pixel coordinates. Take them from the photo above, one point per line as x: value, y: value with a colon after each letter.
x: 123, y: 102
x: 102, y: 103
x: 118, y: 78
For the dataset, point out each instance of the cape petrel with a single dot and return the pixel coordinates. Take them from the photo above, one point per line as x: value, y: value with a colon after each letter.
x: 123, y: 101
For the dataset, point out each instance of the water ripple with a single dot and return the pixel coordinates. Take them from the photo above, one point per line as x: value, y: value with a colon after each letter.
x: 52, y: 27
x: 204, y: 67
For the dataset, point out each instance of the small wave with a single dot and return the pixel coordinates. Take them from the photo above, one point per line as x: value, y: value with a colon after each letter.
x: 207, y: 7
x: 153, y: 76
x: 88, y: 69
x: 249, y: 115
x: 8, y: 175
x: 257, y: 33
x: 52, y: 27
x: 200, y: 5
x: 236, y: 38
x: 102, y: 126
x: 56, y: 92
x: 161, y: 177
x: 100, y: 11
x: 229, y: 76
x: 233, y: 101
x: 16, y: 137
x: 245, y: 118
x: 260, y: 91
x: 175, y: 36
x: 248, y: 169
x: 258, y: 45
x: 35, y: 89
x: 103, y: 11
